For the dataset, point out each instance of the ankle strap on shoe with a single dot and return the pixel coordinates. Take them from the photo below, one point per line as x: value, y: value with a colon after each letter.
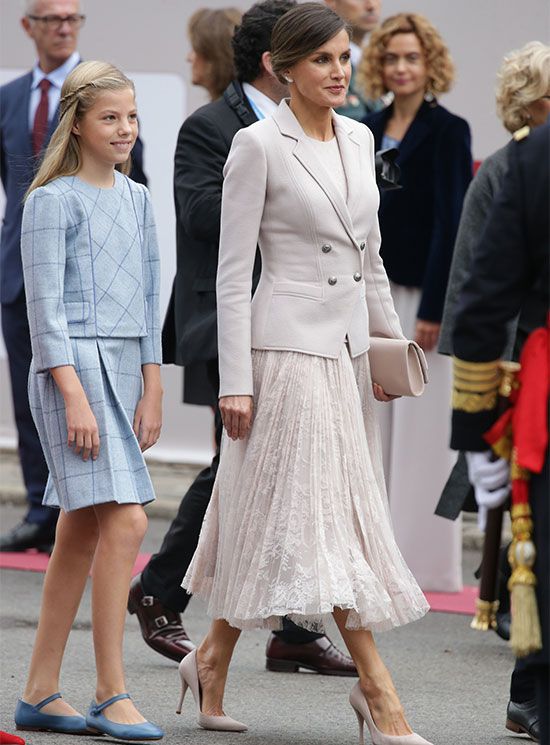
x: 98, y: 708
x: 46, y: 701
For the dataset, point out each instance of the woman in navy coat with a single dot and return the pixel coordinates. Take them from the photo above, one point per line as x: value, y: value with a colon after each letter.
x: 407, y: 57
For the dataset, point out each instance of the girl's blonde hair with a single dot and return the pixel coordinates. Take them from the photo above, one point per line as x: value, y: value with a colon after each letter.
x: 524, y: 77
x: 439, y: 65
x: 78, y: 94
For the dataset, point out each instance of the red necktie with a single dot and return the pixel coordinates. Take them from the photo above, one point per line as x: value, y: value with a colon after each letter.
x: 40, y: 126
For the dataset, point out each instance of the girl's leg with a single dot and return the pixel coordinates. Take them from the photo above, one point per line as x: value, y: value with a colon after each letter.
x: 213, y: 658
x: 374, y: 679
x: 68, y: 569
x: 121, y: 530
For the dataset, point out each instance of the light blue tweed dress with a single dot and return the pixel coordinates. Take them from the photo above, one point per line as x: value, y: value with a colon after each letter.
x: 91, y: 268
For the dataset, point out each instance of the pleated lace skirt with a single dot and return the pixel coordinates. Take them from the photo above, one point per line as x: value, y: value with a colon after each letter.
x: 298, y: 523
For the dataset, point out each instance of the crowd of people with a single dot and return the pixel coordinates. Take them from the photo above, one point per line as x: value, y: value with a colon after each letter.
x: 321, y: 497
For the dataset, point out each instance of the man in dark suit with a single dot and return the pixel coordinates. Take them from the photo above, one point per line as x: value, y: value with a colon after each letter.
x: 509, y: 278
x: 28, y: 116
x: 190, y: 339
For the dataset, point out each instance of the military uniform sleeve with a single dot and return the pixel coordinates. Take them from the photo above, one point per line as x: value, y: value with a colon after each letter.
x: 502, y: 273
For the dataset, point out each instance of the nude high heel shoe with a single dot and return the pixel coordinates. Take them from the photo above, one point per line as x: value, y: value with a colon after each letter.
x: 190, y: 679
x: 361, y: 708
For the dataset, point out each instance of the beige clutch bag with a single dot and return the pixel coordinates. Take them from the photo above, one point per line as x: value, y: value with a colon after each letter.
x: 398, y: 365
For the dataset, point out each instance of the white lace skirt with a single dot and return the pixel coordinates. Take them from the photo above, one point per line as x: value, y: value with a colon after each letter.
x: 298, y: 523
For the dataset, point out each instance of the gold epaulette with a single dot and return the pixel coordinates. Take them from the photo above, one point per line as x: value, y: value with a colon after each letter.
x: 521, y: 134
x: 475, y: 385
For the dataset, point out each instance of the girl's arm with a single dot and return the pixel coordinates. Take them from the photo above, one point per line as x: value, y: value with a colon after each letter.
x: 151, y: 344
x: 82, y: 430
x: 148, y: 415
x: 43, y: 255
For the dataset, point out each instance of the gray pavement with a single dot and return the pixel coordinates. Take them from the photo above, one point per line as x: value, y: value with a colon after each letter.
x: 453, y: 681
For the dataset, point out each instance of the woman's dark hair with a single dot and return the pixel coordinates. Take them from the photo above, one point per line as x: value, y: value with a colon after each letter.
x: 300, y: 32
x: 253, y: 37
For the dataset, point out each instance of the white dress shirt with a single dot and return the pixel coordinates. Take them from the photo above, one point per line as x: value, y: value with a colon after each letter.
x: 258, y: 100
x: 56, y: 78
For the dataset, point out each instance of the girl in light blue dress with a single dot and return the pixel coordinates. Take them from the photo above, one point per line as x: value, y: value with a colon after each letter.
x: 91, y: 268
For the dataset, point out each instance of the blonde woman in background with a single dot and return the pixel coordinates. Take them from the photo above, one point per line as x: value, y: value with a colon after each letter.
x: 211, y: 56
x: 407, y: 57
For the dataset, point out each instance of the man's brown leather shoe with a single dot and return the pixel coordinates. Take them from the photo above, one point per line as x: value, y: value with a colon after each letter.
x: 320, y: 655
x: 161, y: 627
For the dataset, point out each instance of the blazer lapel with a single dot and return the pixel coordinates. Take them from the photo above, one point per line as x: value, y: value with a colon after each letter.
x: 21, y: 115
x: 306, y: 155
x: 416, y: 133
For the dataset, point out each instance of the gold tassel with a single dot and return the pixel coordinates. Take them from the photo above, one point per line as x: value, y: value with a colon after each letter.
x: 486, y: 615
x: 525, y: 633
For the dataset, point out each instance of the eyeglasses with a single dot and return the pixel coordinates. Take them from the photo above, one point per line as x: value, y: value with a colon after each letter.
x: 52, y: 23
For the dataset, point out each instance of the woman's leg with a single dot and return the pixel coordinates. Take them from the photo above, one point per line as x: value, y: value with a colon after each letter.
x: 121, y: 530
x: 374, y: 679
x: 213, y: 658
x: 68, y: 569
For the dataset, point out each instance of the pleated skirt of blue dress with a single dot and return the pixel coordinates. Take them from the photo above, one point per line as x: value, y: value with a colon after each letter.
x: 110, y: 372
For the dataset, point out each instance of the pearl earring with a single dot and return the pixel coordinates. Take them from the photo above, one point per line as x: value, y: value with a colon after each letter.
x: 289, y: 80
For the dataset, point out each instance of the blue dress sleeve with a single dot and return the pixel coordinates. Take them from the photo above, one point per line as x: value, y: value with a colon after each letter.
x: 151, y: 344
x: 43, y: 252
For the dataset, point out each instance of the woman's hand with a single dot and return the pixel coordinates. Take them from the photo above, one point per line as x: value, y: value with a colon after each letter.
x: 380, y: 394
x: 236, y: 414
x: 426, y: 334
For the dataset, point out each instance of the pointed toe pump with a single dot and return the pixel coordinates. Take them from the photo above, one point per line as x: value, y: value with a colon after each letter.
x: 30, y: 717
x: 134, y: 732
x: 361, y: 708
x: 189, y: 675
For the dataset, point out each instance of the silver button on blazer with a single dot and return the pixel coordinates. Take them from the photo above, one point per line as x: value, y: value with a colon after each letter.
x: 277, y: 194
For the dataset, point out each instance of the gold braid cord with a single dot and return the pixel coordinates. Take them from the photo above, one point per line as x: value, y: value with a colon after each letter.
x: 525, y: 634
x: 475, y: 385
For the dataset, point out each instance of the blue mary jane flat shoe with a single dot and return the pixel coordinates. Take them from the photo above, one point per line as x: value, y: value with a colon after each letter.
x: 98, y: 721
x: 29, y: 717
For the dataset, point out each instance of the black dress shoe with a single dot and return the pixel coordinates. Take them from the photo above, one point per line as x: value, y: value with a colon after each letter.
x: 29, y: 535
x: 503, y: 621
x: 523, y: 719
x: 161, y: 628
x: 320, y: 655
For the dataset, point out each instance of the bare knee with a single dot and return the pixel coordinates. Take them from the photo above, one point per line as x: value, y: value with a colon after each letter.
x: 77, y: 532
x: 122, y: 526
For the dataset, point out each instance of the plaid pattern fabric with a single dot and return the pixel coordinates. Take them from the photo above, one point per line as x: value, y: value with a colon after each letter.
x: 109, y: 370
x: 91, y: 267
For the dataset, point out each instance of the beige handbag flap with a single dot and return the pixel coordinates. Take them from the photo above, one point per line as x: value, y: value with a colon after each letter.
x: 398, y: 365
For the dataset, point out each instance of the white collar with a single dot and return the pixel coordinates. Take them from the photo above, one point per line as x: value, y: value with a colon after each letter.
x: 265, y: 104
x: 57, y: 76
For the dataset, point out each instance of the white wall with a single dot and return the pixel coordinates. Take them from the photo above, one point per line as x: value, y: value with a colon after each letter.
x: 149, y: 39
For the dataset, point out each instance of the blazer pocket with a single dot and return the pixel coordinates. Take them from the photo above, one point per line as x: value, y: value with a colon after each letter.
x: 298, y: 289
x: 77, y: 312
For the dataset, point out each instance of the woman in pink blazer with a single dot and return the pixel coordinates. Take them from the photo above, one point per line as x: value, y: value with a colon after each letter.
x: 298, y: 523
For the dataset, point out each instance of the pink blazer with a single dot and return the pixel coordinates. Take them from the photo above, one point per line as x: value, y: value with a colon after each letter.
x: 322, y: 277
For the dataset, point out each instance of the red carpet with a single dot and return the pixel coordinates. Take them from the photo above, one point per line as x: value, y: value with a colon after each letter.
x: 440, y: 602
x: 32, y: 561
